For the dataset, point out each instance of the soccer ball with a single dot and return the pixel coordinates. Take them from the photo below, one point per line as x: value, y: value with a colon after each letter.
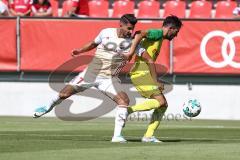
x: 191, y: 108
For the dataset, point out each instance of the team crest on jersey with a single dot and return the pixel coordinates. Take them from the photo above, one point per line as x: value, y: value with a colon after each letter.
x: 118, y: 47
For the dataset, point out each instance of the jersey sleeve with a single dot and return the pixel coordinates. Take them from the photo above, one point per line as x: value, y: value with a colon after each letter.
x: 99, y: 37
x: 154, y: 34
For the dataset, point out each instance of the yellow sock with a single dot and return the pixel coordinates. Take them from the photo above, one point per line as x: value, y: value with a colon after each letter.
x: 145, y: 106
x: 155, y: 121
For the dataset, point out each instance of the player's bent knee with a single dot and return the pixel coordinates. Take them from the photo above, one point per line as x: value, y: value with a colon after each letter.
x: 64, y: 95
x: 123, y: 102
x: 66, y: 92
x: 165, y: 105
x: 162, y: 102
x: 161, y: 99
x: 121, y: 99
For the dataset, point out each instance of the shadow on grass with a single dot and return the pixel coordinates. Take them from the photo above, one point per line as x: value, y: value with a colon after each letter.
x: 175, y: 140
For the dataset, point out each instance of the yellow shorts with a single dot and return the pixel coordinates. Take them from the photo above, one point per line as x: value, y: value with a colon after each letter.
x: 144, y: 84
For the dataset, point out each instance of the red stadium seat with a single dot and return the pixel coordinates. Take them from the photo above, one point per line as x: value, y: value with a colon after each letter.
x: 54, y: 4
x: 177, y: 8
x: 224, y: 9
x: 200, y: 9
x: 148, y: 9
x: 121, y: 7
x: 67, y: 5
x: 98, y: 8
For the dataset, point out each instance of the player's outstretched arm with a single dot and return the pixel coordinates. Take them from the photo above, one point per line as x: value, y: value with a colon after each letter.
x: 139, y: 35
x: 85, y: 48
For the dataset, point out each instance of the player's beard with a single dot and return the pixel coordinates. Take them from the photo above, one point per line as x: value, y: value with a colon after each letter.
x: 124, y: 34
x: 170, y: 37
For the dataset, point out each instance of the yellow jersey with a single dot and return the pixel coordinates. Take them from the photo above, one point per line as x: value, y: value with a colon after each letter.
x: 140, y: 74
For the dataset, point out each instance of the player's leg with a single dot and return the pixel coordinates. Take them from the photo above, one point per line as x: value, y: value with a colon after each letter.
x: 155, y: 119
x: 147, y: 105
x: 122, y: 101
x: 145, y: 88
x: 115, y: 90
x: 66, y: 92
x: 77, y: 84
x: 153, y: 125
x: 145, y: 85
x: 156, y: 100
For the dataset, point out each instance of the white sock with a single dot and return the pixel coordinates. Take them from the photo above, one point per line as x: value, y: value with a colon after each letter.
x: 120, y: 119
x: 55, y: 101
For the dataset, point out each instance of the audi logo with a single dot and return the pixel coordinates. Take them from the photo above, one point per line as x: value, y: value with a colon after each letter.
x: 227, y: 57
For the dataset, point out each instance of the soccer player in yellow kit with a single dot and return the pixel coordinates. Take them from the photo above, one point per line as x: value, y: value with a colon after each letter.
x: 146, y: 45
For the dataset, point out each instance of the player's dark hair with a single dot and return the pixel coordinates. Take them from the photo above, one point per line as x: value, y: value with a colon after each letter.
x: 128, y: 18
x: 172, y: 21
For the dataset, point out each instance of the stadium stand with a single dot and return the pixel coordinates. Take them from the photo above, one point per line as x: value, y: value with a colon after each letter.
x: 121, y: 7
x: 175, y: 7
x: 224, y: 9
x: 148, y: 9
x: 153, y: 8
x: 200, y: 9
x: 98, y: 8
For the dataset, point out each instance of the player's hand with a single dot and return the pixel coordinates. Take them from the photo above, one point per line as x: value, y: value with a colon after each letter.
x: 160, y: 86
x: 75, y: 52
x: 128, y: 56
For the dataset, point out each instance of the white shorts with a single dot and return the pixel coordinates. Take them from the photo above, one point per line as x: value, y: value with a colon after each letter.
x: 108, y: 86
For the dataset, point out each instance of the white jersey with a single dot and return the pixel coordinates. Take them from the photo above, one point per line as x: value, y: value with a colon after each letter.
x: 236, y: 11
x: 109, y: 57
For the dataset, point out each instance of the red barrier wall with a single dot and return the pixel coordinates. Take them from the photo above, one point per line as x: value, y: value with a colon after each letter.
x: 208, y: 47
x: 202, y: 47
x: 8, y: 55
x: 46, y: 44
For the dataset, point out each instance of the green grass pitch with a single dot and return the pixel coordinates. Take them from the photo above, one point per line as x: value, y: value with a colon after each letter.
x: 24, y: 138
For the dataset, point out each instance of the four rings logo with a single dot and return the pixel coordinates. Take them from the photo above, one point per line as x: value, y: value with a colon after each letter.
x: 228, y: 57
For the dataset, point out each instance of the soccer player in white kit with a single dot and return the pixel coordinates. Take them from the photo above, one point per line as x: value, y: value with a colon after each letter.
x: 112, y: 45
